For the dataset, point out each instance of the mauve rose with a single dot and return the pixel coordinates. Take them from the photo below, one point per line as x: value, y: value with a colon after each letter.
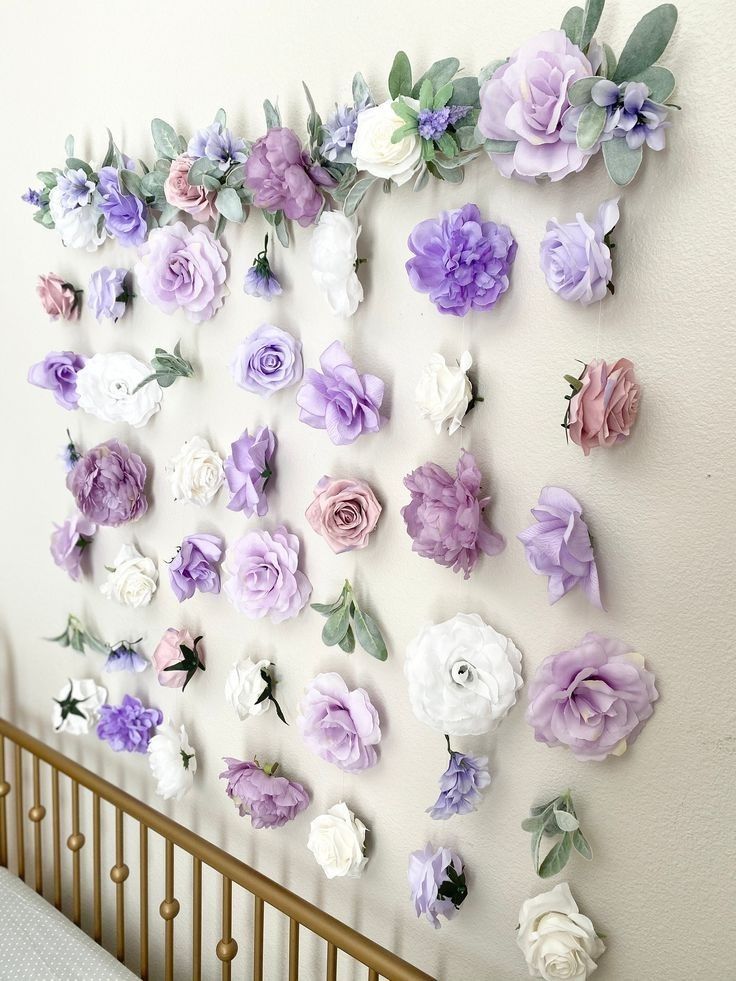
x: 191, y: 198
x: 58, y: 298
x: 168, y: 653
x: 270, y: 801
x: 338, y: 724
x: 108, y: 484
x: 603, y: 410
x: 58, y: 373
x: 344, y: 513
x: 283, y: 178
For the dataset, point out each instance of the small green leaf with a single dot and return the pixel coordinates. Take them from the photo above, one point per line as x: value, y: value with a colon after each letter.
x: 336, y: 626
x: 581, y: 844
x: 579, y: 92
x: 647, y: 42
x: 272, y: 114
x: 69, y: 146
x: 447, y: 145
x: 499, y: 146
x: 228, y: 204
x: 591, y: 19
x: 661, y: 82
x: 74, y: 163
x: 356, y: 194
x: 221, y: 118
x: 403, y: 131
x: 326, y: 608
x: 404, y: 111
x: 426, y: 94
x: 485, y: 73
x: 369, y: 635
x: 532, y: 824
x: 572, y: 24
x: 399, y: 79
x: 198, y: 170
x: 361, y: 91
x: 442, y: 96
x: 165, y: 139
x: 621, y: 162
x: 440, y: 72
x: 235, y: 176
x: 610, y: 61
x: 421, y: 179
x: 453, y: 175
x: 110, y: 152
x: 131, y: 182
x: 47, y: 178
x: 566, y: 821
x: 590, y: 125
x: 347, y: 644
x: 168, y: 213
x: 465, y: 92
x: 556, y: 858
x: 535, y: 843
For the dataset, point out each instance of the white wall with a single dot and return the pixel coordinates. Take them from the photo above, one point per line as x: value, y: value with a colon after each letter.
x: 660, y: 506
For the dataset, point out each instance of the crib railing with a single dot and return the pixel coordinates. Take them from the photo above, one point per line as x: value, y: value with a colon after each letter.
x: 337, y: 936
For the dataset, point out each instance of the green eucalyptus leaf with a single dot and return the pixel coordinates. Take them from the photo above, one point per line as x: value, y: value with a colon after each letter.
x: 47, y: 178
x: 165, y: 139
x: 426, y: 94
x: 499, y: 146
x: 421, y: 179
x: 74, y: 163
x: 467, y: 138
x: 535, y: 844
x: 281, y: 229
x: 532, y: 824
x: 356, y: 194
x: 212, y: 183
x: 361, y: 91
x: 220, y: 226
x: 236, y: 176
x: 272, y: 114
x: 199, y: 169
x: 69, y: 146
x: 405, y: 112
x: 579, y: 92
x: 566, y: 821
x: 447, y: 145
x: 465, y: 92
x: 131, y: 182
x: 581, y: 845
x: 438, y: 73
x: 152, y: 185
x: 621, y: 162
x: 336, y: 626
x: 369, y: 635
x: 110, y: 152
x: 443, y: 95
x: 403, y: 131
x: 229, y: 204
x: 485, y: 73
x: 647, y: 42
x: 611, y: 61
x: 572, y: 24
x: 453, y: 175
x: 168, y: 214
x: 326, y: 608
x: 221, y: 118
x: 591, y: 19
x: 590, y: 125
x: 661, y: 82
x: 399, y: 78
x: 347, y: 643
x: 556, y: 858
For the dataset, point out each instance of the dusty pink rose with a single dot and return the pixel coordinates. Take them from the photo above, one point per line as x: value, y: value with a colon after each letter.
x: 344, y: 513
x: 58, y: 298
x: 193, y: 199
x: 603, y: 410
x: 168, y: 653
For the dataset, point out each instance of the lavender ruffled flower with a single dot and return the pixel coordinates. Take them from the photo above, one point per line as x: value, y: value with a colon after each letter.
x: 559, y: 546
x: 108, y: 484
x: 434, y: 123
x: 268, y: 360
x: 194, y: 567
x: 259, y: 280
x: 270, y: 801
x: 436, y: 883
x: 576, y: 257
x: 460, y: 786
x: 283, y: 178
x: 124, y: 657
x: 107, y: 294
x: 339, y: 725
x: 75, y: 189
x: 128, y: 727
x: 461, y: 261
x: 248, y: 470
x: 264, y: 578
x: 340, y: 400
x: 32, y: 197
x: 632, y: 115
x: 339, y: 131
x: 126, y: 218
x: 68, y: 542
x: 58, y: 373
x: 218, y: 144
x: 445, y: 515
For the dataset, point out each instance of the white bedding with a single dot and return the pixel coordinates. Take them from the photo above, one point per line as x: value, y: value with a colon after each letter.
x: 38, y: 943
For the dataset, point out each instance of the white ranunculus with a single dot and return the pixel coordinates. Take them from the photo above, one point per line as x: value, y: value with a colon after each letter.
x: 463, y: 675
x: 557, y: 941
x: 172, y: 760
x: 107, y: 384
x: 244, y: 686
x: 132, y: 578
x: 334, y: 252
x: 444, y: 392
x: 196, y: 473
x: 373, y: 149
x: 337, y: 841
x: 77, y: 227
x: 77, y: 706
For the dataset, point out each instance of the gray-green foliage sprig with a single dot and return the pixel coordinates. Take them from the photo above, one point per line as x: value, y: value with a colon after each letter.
x: 556, y: 819
x: 75, y: 636
x: 167, y: 368
x: 346, y: 623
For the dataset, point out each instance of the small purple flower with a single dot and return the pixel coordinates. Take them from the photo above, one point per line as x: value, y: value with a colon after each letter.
x: 32, y: 197
x: 76, y: 189
x: 69, y: 454
x: 68, y: 542
x: 126, y: 218
x: 340, y: 400
x: 461, y: 261
x: 218, y: 144
x: 107, y: 294
x: 268, y: 360
x: 124, y: 657
x: 339, y: 131
x: 338, y: 724
x: 270, y: 801
x: 128, y: 727
x: 58, y: 373
x: 559, y: 546
x: 575, y: 257
x: 108, y: 484
x: 460, y: 786
x: 195, y: 566
x: 248, y: 470
x: 631, y: 113
x: 433, y: 123
x: 259, y: 280
x: 436, y: 883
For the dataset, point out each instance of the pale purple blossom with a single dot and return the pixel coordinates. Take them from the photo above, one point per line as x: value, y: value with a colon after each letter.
x: 339, y: 131
x: 436, y: 883
x: 218, y: 144
x: 632, y: 115
x: 339, y: 725
x: 248, y: 471
x: 460, y: 786
x: 194, y: 567
x: 107, y: 294
x: 58, y: 373
x: 128, y: 727
x: 76, y: 189
x: 126, y: 216
x: 108, y: 484
x: 124, y: 657
x: 268, y: 360
x: 434, y: 123
x: 32, y: 197
x: 575, y: 257
x: 68, y: 542
x: 264, y: 578
x: 260, y: 281
x: 270, y: 801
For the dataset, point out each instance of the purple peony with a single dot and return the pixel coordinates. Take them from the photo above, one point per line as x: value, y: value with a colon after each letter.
x: 68, y: 542
x: 107, y: 294
x: 594, y: 699
x: 445, y: 515
x: 340, y: 725
x: 124, y: 657
x: 340, y: 400
x: 218, y: 144
x: 128, y: 727
x: 126, y: 218
x: 576, y: 258
x: 183, y: 269
x: 460, y: 786
x: 58, y: 373
x: 436, y: 883
x: 559, y: 546
x: 108, y: 484
x: 267, y: 361
x: 283, y: 178
x: 461, y: 261
x: 264, y: 578
x: 631, y: 114
x: 270, y: 801
x: 194, y: 567
x: 248, y: 470
x: 525, y: 101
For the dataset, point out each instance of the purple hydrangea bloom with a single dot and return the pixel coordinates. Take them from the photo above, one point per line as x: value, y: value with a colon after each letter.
x: 339, y: 130
x: 32, y: 197
x: 436, y: 883
x: 433, y: 123
x: 218, y: 144
x: 260, y: 281
x: 108, y: 484
x: 68, y: 542
x: 248, y: 470
x: 631, y: 113
x: 126, y: 218
x: 340, y: 400
x: 445, y: 515
x: 559, y: 546
x: 461, y: 261
x: 270, y: 801
x: 124, y: 657
x: 195, y: 566
x: 76, y: 189
x: 58, y: 373
x: 268, y: 360
x: 460, y: 786
x: 338, y: 724
x: 128, y: 727
x: 107, y: 295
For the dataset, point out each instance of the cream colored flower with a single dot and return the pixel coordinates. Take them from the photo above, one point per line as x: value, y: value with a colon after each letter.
x: 373, y: 149
x: 334, y: 252
x: 107, y: 387
x: 244, y: 686
x: 337, y: 841
x: 132, y: 579
x: 77, y: 706
x: 196, y: 472
x: 444, y: 392
x: 172, y: 760
x: 557, y: 941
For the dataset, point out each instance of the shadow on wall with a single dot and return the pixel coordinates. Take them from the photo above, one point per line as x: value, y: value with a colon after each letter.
x: 8, y: 699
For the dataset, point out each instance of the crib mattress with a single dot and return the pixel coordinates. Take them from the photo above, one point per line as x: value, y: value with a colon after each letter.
x: 38, y: 943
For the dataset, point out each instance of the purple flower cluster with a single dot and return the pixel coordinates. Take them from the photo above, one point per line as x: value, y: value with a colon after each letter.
x: 283, y: 178
x: 108, y: 484
x: 58, y: 373
x: 194, y: 567
x: 270, y: 801
x: 76, y: 189
x: 460, y: 786
x: 126, y: 218
x: 128, y: 727
x: 248, y: 470
x: 631, y: 113
x: 338, y: 724
x: 433, y: 123
x: 32, y: 197
x: 218, y: 144
x: 259, y: 280
x: 68, y: 542
x: 339, y: 131
x: 436, y: 883
x: 124, y: 657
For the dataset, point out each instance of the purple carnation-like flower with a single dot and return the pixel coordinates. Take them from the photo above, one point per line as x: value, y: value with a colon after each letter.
x: 436, y: 883
x: 268, y: 360
x: 460, y: 786
x: 270, y: 801
x: 124, y: 657
x: 594, y: 698
x: 559, y: 546
x: 218, y: 144
x: 264, y: 578
x: 340, y: 400
x: 68, y: 542
x: 58, y: 373
x: 195, y: 566
x: 283, y: 178
x: 126, y: 216
x: 248, y: 470
x: 108, y: 484
x: 445, y: 515
x: 338, y: 724
x: 107, y: 294
x: 461, y: 261
x: 128, y: 727
x: 632, y: 115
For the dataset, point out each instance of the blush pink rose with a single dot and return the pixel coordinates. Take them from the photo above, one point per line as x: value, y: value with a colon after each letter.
x: 169, y: 652
x: 344, y: 513
x: 603, y: 411
x: 58, y: 298
x: 193, y: 199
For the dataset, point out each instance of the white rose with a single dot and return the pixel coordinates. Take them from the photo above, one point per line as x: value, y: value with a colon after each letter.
x: 244, y: 686
x: 337, y: 840
x: 334, y: 252
x: 172, y: 760
x: 77, y: 227
x: 373, y: 149
x: 463, y: 675
x: 77, y: 706
x: 196, y: 473
x: 107, y: 389
x: 557, y: 941
x: 444, y: 392
x: 132, y: 579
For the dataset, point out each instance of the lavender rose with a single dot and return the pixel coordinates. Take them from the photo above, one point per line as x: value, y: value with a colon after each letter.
x: 58, y: 298
x: 107, y: 294
x: 248, y: 470
x: 270, y: 801
x: 604, y: 406
x: 128, y: 727
x: 268, y: 360
x: 194, y: 567
x: 264, y: 577
x: 344, y: 513
x: 594, y: 698
x: 58, y: 373
x: 193, y: 199
x: 108, y: 484
x: 126, y: 216
x: 68, y: 542
x: 338, y: 724
x: 576, y: 258
x: 283, y: 178
x: 436, y: 883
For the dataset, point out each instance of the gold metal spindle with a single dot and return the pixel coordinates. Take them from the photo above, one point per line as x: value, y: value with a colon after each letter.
x: 169, y: 909
x: 196, y: 919
x: 143, y: 859
x: 331, y: 962
x: 372, y: 975
x: 36, y: 814
x: 257, y: 938
x: 293, y: 950
x: 4, y: 791
x: 56, y: 835
x: 227, y: 947
x: 97, y: 871
x: 75, y: 842
x: 20, y: 844
x: 119, y: 873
